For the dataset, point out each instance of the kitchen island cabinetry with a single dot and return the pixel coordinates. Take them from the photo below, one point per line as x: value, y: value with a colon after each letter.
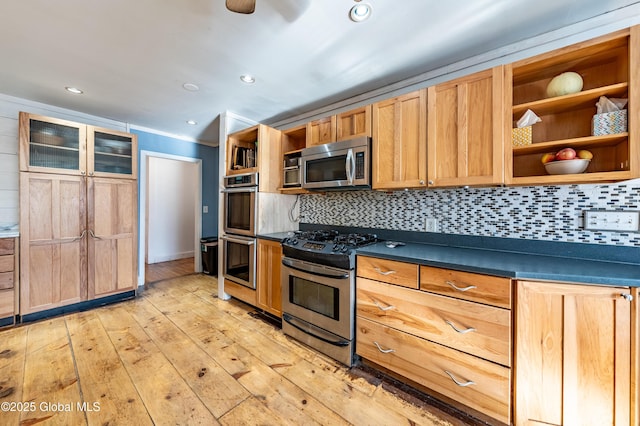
x: 467, y: 122
x: 576, y: 354
x: 399, y: 134
x: 269, y: 273
x: 8, y: 280
x: 608, y: 66
x: 458, y: 348
x: 51, y: 145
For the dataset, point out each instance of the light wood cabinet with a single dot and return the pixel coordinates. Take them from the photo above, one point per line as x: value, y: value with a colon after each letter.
x: 454, y: 342
x: 256, y: 149
x: 269, y: 273
x: 466, y: 126
x: 354, y: 123
x: 609, y: 66
x: 399, y: 134
x: 113, y: 236
x: 8, y: 280
x: 573, y: 356
x: 53, y: 243
x: 51, y: 145
x: 321, y: 131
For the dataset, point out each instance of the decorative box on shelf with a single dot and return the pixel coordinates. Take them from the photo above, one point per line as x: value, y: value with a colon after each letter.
x: 522, y: 136
x: 609, y: 123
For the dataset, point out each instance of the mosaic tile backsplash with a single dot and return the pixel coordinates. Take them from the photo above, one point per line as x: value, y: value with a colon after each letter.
x: 551, y: 213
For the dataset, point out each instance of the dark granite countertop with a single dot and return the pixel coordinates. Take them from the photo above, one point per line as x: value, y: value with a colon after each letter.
x: 511, y: 264
x: 277, y: 236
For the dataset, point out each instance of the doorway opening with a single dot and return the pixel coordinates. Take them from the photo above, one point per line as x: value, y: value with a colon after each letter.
x: 170, y: 218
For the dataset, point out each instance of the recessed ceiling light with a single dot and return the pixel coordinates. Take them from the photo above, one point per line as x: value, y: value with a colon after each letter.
x: 74, y: 90
x: 192, y: 122
x: 247, y: 78
x: 191, y: 87
x: 360, y: 12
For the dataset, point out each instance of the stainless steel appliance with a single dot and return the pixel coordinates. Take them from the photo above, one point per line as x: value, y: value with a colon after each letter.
x: 339, y: 165
x: 291, y: 172
x: 240, y: 222
x: 240, y: 212
x: 318, y: 290
x: 239, y: 254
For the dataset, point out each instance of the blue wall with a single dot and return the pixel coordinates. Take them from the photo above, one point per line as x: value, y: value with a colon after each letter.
x: 208, y: 155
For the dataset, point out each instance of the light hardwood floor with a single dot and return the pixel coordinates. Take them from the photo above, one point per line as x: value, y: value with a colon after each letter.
x: 178, y: 355
x: 166, y: 270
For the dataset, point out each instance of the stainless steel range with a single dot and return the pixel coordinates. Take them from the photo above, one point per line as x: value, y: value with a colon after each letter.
x: 318, y: 290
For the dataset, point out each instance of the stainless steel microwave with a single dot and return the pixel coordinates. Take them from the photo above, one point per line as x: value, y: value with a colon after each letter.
x: 338, y: 165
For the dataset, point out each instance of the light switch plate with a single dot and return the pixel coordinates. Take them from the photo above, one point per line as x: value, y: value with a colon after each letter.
x: 608, y: 220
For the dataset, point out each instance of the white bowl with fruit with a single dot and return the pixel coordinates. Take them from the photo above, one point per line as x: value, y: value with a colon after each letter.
x: 567, y: 161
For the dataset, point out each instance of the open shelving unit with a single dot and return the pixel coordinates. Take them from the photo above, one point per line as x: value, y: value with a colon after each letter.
x: 606, y: 66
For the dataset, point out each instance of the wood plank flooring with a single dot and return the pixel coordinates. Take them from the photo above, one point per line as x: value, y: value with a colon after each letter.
x: 167, y: 270
x: 178, y: 355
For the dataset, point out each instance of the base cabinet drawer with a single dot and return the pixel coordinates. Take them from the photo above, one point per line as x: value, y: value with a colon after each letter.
x: 480, y: 330
x: 474, y: 382
x: 6, y: 303
x: 389, y: 271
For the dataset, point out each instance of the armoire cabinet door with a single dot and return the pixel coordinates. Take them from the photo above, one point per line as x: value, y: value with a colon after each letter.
x: 112, y: 239
x: 52, y: 241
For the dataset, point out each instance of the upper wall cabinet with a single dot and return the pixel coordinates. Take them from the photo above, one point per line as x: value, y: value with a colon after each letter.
x: 321, y: 131
x: 466, y: 130
x: 609, y: 66
x: 256, y: 149
x: 52, y: 145
x: 399, y: 133
x: 354, y: 123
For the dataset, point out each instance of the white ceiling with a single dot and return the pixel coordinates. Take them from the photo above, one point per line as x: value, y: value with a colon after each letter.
x: 131, y: 58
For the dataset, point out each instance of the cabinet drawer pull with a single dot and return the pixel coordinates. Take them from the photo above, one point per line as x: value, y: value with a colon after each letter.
x: 627, y: 297
x: 458, y: 330
x: 384, y: 351
x: 459, y: 383
x: 383, y: 308
x: 381, y: 272
x: 455, y: 287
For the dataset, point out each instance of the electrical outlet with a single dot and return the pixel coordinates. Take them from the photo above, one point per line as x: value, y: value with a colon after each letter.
x: 205, y: 209
x: 604, y: 220
x: 431, y: 224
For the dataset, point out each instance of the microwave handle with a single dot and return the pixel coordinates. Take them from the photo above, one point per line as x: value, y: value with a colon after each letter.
x: 350, y: 166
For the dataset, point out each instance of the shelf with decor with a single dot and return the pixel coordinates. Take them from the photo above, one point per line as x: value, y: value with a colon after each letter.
x: 605, y: 67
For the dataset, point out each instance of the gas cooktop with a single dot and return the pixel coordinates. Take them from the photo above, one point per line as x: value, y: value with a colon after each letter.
x: 327, y: 247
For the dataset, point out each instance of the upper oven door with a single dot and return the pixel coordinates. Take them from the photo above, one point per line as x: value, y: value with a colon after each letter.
x: 240, y: 211
x: 320, y: 295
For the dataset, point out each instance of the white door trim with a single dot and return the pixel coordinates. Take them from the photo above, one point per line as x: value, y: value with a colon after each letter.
x: 142, y: 209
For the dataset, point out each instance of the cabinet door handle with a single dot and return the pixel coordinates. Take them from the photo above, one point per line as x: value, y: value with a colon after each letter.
x: 381, y: 272
x: 384, y: 351
x: 455, y: 287
x: 458, y: 382
x: 383, y: 308
x: 459, y: 330
x: 93, y: 235
x: 81, y: 236
x: 627, y: 297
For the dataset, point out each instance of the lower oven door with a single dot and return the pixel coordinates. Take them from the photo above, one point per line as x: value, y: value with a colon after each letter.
x: 318, y: 307
x: 239, y: 259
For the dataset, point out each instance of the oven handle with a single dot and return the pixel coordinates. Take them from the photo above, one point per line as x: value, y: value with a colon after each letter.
x: 313, y: 269
x: 307, y: 330
x: 238, y: 240
x: 233, y: 190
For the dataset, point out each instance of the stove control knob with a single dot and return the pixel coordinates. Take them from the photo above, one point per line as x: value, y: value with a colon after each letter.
x: 336, y: 247
x: 294, y: 242
x: 344, y: 249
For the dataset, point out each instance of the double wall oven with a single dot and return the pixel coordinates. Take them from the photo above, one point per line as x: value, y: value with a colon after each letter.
x: 240, y: 222
x: 318, y: 290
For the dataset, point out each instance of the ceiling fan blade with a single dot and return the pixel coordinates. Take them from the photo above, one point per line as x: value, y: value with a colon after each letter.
x: 241, y: 6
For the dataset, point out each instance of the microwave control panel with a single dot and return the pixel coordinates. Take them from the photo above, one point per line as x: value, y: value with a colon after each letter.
x: 360, y: 165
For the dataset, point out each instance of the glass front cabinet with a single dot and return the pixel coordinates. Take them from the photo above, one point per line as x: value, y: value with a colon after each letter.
x: 53, y: 145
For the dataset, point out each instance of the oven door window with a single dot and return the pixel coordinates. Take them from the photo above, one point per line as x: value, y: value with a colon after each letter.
x: 238, y: 261
x: 239, y: 208
x: 326, y: 169
x: 315, y: 297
